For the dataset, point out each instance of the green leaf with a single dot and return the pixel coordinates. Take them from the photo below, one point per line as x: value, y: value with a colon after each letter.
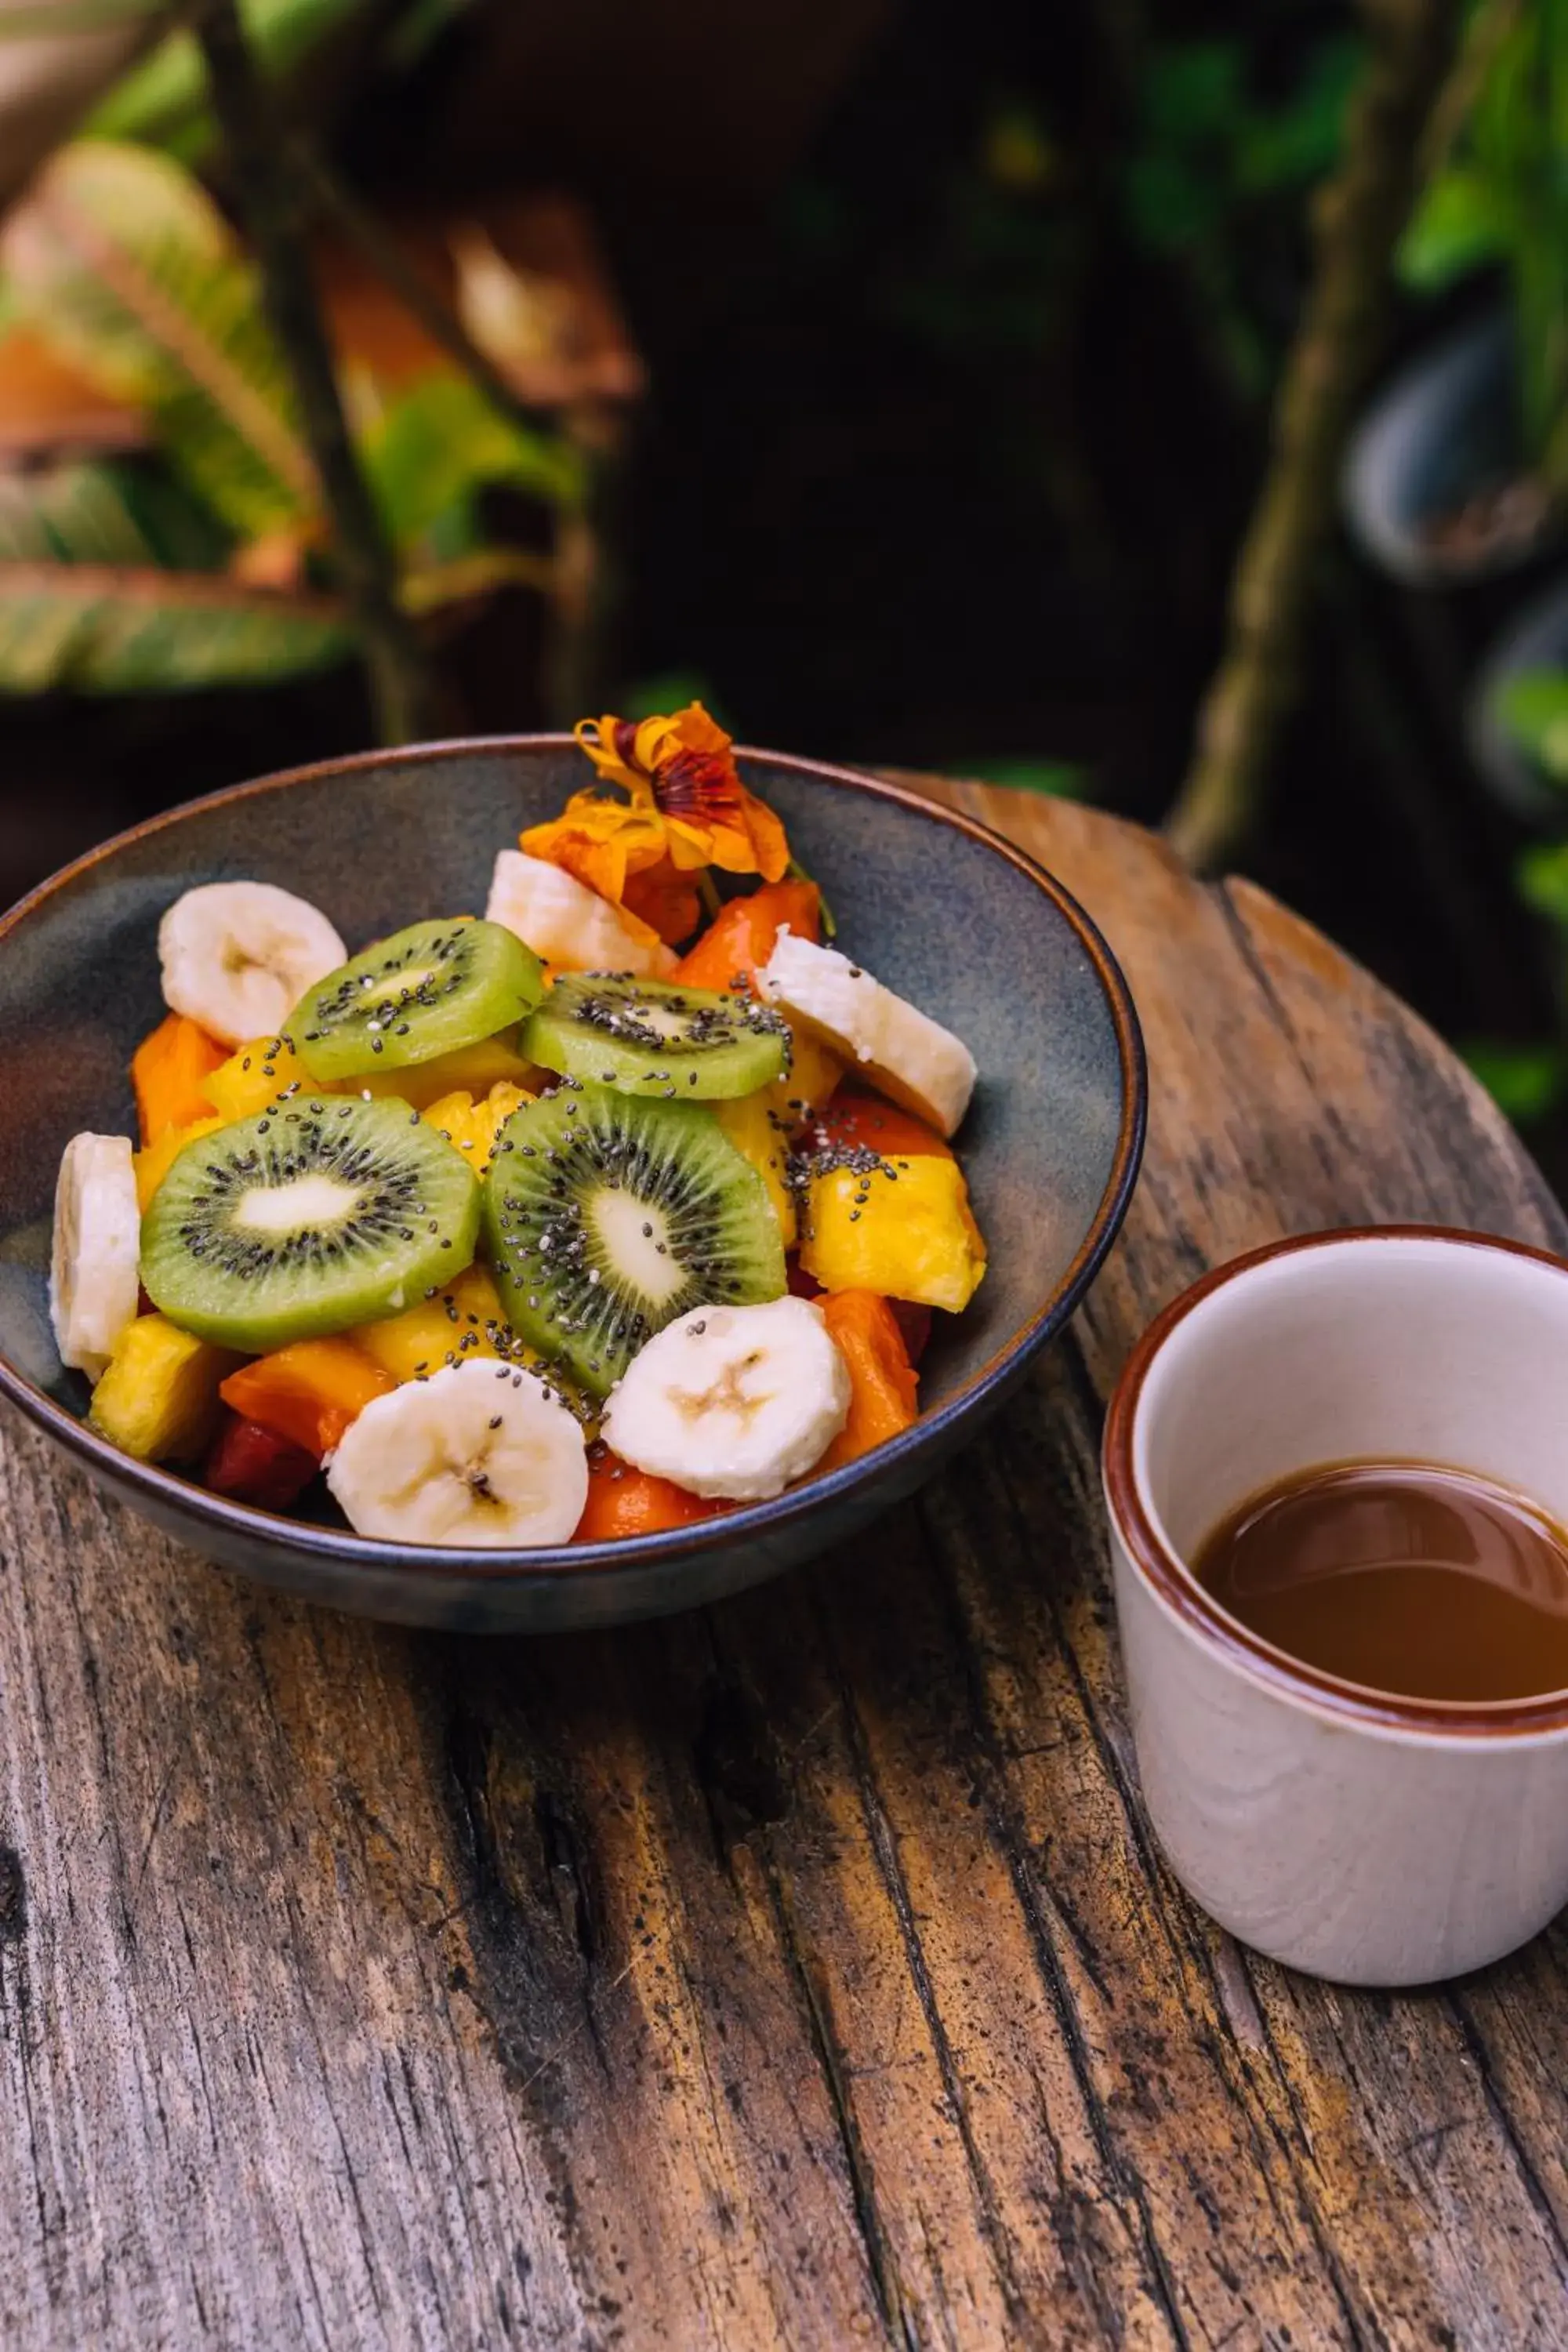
x: 1532, y: 709
x: 162, y: 101
x: 102, y: 629
x: 121, y: 262
x: 1543, y: 877
x: 1459, y: 222
x: 670, y: 690
x: 85, y: 602
x: 1524, y: 1081
x: 443, y: 442
x: 1290, y: 146
x: 1061, y: 778
x: 1194, y: 90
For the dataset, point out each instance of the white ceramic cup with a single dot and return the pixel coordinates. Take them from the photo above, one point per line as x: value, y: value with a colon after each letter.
x: 1368, y: 1838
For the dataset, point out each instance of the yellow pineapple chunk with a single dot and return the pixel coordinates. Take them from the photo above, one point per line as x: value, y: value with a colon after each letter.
x: 751, y: 1124
x: 422, y: 1337
x: 159, y: 1397
x: 808, y: 1083
x: 472, y: 1127
x: 153, y: 1161
x: 904, y: 1233
x: 256, y: 1074
x: 465, y: 1318
x: 468, y: 1070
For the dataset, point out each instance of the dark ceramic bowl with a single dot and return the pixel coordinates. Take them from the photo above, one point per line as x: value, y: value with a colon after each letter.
x: 939, y: 908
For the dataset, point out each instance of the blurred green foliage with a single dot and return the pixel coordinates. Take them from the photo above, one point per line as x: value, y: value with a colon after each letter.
x: 163, y: 101
x: 108, y: 585
x: 1526, y: 1082
x: 1211, y: 155
x: 201, y: 567
x: 1206, y: 143
x: 1543, y: 879
x: 1533, y: 709
x: 1059, y: 778
x: 126, y: 267
x: 650, y: 698
x: 440, y: 443
x: 1499, y: 194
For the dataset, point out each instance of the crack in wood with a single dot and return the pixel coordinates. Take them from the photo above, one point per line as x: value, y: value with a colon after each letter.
x: 13, y: 1896
x: 885, y: 1851
x: 880, y: 2261
x: 1013, y: 1840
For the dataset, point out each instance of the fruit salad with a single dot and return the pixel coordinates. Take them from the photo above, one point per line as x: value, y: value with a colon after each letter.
x: 618, y: 1206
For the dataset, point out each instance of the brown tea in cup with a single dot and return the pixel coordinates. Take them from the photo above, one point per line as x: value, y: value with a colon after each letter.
x: 1403, y: 1577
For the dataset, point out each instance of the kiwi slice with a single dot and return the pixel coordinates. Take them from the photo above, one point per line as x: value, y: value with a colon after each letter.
x: 426, y: 991
x: 309, y: 1218
x: 606, y: 1216
x: 654, y: 1037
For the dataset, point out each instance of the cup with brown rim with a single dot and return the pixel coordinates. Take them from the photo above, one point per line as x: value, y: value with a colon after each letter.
x: 1364, y: 1836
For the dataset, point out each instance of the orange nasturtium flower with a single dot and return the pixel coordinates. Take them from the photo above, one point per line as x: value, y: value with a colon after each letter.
x: 686, y: 809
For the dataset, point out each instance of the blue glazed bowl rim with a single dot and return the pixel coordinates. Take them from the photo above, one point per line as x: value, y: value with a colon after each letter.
x: 545, y: 1566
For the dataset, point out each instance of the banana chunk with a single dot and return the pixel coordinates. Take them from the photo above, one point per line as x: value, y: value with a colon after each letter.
x: 93, y: 1281
x: 238, y: 956
x: 566, y: 923
x: 909, y: 1057
x: 465, y: 1457
x: 732, y: 1402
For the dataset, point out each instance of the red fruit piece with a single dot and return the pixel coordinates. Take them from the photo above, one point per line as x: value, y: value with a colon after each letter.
x: 252, y: 1464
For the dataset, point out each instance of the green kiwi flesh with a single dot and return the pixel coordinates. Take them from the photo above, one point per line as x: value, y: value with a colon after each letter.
x: 425, y: 991
x: 607, y: 1215
x: 308, y: 1219
x: 655, y: 1037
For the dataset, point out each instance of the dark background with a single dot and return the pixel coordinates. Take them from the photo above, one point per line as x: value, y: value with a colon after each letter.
x: 961, y: 329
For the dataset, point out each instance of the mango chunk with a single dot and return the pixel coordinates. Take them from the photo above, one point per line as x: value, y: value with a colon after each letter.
x: 256, y: 1074
x: 152, y: 1163
x: 904, y: 1232
x: 159, y: 1397
x: 472, y: 1127
x: 464, y: 1319
x: 169, y: 1072
x: 469, y: 1070
x: 753, y: 1126
x: 309, y: 1393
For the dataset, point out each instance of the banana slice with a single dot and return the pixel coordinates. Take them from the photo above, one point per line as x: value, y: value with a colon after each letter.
x: 93, y: 1281
x: 566, y: 923
x: 732, y: 1402
x: 465, y: 1457
x: 913, y: 1058
x: 238, y: 956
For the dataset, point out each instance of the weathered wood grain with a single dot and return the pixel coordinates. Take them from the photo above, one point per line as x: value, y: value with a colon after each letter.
x: 800, y: 1974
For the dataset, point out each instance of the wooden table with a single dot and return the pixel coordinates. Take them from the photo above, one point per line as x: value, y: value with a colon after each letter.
x: 799, y: 1974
